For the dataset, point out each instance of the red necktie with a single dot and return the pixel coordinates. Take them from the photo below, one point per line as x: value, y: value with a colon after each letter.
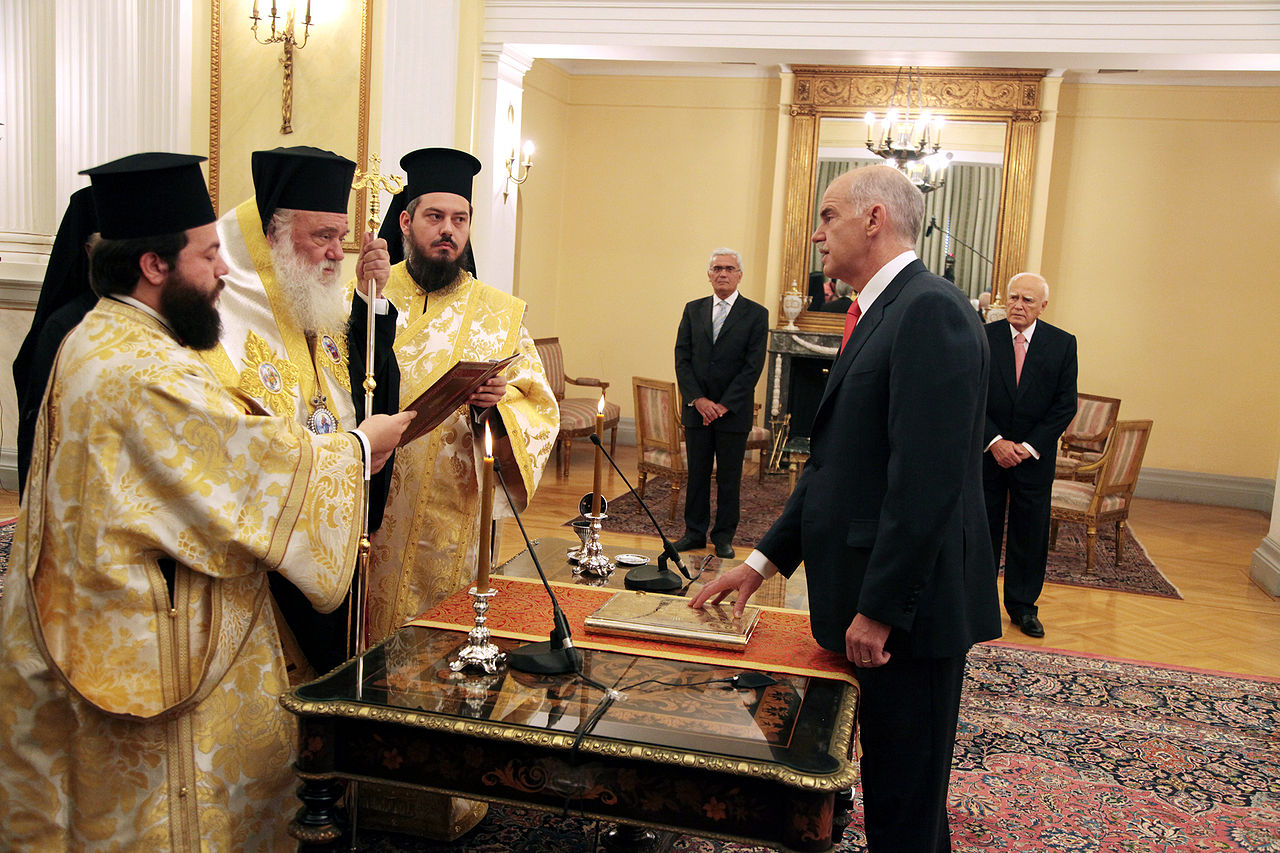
x: 1019, y: 356
x: 850, y: 320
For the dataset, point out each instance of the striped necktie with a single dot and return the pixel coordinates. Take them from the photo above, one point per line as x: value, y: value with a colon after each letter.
x: 717, y: 321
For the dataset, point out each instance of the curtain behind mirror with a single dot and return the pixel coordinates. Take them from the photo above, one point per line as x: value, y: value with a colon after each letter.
x: 968, y: 206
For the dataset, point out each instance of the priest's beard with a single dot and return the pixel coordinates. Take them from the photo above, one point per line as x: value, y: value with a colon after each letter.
x: 191, y: 312
x: 430, y: 273
x: 313, y: 296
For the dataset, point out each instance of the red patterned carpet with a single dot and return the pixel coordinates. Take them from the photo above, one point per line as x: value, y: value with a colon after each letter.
x: 1056, y: 752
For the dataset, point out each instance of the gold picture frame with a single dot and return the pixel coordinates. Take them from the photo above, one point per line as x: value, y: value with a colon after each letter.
x: 219, y: 28
x: 1002, y: 95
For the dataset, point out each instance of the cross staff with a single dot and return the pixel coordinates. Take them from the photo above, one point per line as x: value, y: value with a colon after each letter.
x: 371, y: 179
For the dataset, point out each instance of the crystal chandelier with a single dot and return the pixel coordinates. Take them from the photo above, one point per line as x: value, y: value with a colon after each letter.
x: 910, y: 137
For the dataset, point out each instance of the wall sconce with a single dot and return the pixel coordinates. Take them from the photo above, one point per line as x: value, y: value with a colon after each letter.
x: 286, y: 38
x: 521, y: 173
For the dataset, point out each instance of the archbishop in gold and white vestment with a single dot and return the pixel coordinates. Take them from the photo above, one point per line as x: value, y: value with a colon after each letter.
x: 139, y: 657
x: 429, y: 539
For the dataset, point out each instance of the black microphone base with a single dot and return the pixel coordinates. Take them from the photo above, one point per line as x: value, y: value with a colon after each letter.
x: 653, y: 579
x: 542, y: 659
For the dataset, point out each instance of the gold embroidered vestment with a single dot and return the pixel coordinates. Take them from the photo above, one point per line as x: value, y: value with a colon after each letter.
x: 428, y: 542
x: 139, y: 712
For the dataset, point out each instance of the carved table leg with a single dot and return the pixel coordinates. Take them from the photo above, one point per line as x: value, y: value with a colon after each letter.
x: 842, y: 815
x: 623, y: 838
x: 319, y: 825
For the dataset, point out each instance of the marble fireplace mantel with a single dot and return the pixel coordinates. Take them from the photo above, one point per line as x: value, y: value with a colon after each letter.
x: 797, y: 364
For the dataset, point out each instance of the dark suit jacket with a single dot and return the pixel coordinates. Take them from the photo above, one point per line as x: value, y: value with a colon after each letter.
x: 888, y: 515
x: 1038, y: 409
x: 726, y: 371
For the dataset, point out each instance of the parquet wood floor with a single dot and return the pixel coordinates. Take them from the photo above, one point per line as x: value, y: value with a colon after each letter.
x: 1224, y: 622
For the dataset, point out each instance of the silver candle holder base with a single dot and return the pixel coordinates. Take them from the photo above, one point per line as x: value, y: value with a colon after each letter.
x: 479, y: 652
x: 593, y: 561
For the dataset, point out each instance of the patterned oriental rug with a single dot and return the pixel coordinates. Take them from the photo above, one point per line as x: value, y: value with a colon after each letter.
x: 1056, y: 752
x: 763, y: 502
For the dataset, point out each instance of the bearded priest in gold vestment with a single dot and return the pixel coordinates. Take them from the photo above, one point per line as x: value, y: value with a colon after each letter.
x: 139, y: 656
x: 429, y: 540
x: 428, y: 543
x: 285, y: 339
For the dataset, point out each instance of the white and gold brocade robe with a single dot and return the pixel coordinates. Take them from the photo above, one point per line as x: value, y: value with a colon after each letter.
x: 135, y: 714
x: 261, y: 352
x: 429, y: 539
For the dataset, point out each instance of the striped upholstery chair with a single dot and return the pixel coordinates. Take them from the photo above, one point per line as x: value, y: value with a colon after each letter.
x: 760, y: 438
x: 659, y: 436
x: 1086, y: 436
x: 1107, y: 499
x: 577, y: 414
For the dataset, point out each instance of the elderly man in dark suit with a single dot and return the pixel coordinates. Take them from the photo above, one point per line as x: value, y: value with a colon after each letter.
x: 888, y: 515
x: 719, y: 355
x: 1030, y: 401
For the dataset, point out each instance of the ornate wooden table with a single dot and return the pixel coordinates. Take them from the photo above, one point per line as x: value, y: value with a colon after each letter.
x: 762, y: 765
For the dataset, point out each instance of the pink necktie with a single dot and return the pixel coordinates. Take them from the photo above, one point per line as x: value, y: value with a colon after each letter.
x: 1019, y: 356
x: 850, y: 320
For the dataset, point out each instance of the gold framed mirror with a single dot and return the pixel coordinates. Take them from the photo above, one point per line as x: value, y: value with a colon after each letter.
x: 991, y: 115
x: 328, y: 92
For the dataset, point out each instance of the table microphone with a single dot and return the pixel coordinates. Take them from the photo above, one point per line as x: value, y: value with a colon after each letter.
x: 556, y: 655
x: 651, y: 578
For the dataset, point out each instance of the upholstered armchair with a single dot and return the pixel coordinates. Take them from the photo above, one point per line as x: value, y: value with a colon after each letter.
x: 577, y: 414
x: 1086, y: 436
x: 1107, y: 498
x: 659, y: 435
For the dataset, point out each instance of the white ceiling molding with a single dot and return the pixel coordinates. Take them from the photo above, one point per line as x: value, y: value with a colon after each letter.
x: 755, y: 37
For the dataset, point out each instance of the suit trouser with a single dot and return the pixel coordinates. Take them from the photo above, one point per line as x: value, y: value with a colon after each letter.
x: 726, y: 449
x: 907, y: 715
x: 1028, y: 495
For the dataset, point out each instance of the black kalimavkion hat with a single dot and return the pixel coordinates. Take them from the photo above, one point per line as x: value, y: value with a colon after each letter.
x: 301, y: 178
x: 146, y: 195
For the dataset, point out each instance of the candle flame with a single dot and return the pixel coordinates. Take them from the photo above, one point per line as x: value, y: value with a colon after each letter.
x: 600, y: 405
x: 488, y: 440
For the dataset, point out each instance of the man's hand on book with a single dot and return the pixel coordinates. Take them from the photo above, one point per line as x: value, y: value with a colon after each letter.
x: 489, y: 393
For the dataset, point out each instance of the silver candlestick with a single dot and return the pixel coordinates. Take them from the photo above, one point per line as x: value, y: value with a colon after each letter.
x: 478, y: 651
x: 593, y: 560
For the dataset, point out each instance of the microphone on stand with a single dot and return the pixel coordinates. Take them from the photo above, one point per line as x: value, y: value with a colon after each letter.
x: 556, y: 655
x: 651, y: 578
x: 933, y: 223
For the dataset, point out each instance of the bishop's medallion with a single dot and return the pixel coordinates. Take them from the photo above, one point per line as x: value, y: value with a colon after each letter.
x: 321, y: 421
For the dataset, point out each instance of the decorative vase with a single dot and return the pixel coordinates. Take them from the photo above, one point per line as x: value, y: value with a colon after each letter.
x: 792, y: 305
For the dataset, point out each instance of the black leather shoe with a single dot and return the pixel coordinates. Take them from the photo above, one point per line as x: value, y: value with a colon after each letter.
x: 724, y: 551
x: 688, y: 543
x: 1028, y: 624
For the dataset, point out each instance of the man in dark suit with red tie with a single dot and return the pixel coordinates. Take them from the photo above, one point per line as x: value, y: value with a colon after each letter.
x: 1030, y: 401
x: 719, y: 355
x: 888, y: 515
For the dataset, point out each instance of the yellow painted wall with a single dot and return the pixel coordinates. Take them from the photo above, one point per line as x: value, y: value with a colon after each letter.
x: 1163, y: 211
x: 657, y: 172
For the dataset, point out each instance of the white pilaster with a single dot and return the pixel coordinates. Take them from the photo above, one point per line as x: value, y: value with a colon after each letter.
x: 83, y: 83
x: 502, y: 70
x: 1265, y: 566
x: 419, y: 77
x: 26, y: 79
